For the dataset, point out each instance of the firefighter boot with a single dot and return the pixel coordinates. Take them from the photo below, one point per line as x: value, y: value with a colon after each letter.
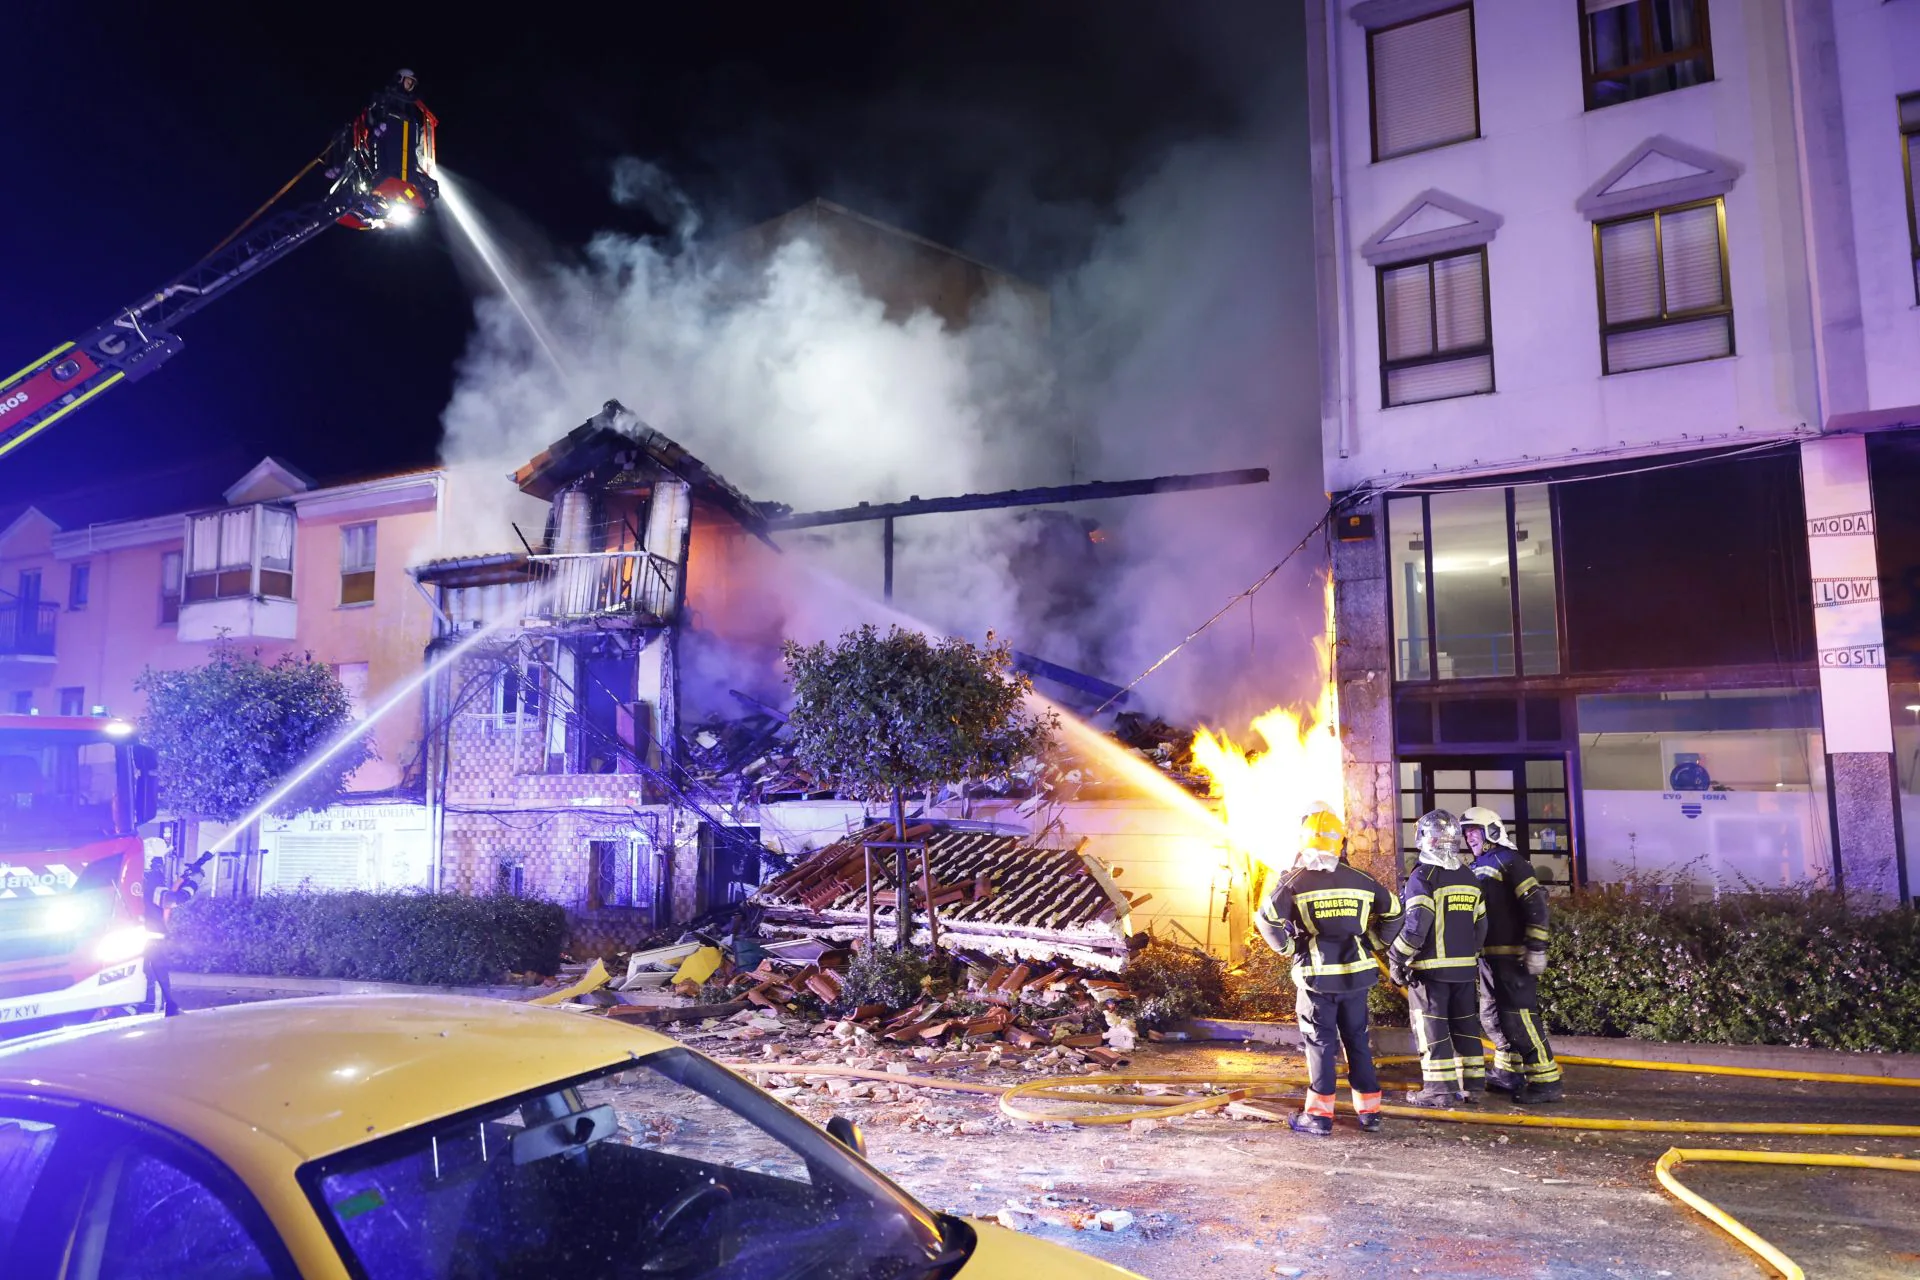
x: 1499, y: 1081
x: 1434, y: 1095
x: 1311, y: 1126
x: 1531, y: 1092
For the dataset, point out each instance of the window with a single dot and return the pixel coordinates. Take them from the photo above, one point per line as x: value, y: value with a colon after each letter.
x: 613, y: 874
x: 516, y: 692
x: 1722, y: 787
x: 1909, y: 130
x: 73, y: 701
x: 1637, y: 48
x: 79, y: 584
x: 353, y: 678
x: 1424, y: 90
x: 23, y: 702
x: 1435, y: 338
x: 162, y: 1221
x: 511, y: 879
x: 1474, y: 587
x: 169, y: 587
x: 25, y: 1146
x: 224, y: 548
x: 356, y: 563
x: 1663, y: 287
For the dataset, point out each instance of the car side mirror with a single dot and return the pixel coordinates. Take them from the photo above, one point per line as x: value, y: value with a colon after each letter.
x: 146, y: 784
x: 847, y: 1134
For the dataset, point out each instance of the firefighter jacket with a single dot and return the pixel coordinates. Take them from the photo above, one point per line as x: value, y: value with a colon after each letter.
x: 1516, y: 902
x: 1445, y: 923
x: 1329, y: 923
x: 159, y: 898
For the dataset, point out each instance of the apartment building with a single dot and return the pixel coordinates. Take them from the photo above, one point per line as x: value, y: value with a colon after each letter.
x: 278, y: 564
x: 1620, y: 338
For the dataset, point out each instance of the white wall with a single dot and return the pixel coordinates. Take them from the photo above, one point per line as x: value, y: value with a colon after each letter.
x: 1878, y: 46
x: 1539, y: 153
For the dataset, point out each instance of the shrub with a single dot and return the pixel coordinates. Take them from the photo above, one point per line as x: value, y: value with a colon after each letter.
x: 1170, y: 983
x: 424, y: 938
x: 1756, y: 968
x: 879, y: 975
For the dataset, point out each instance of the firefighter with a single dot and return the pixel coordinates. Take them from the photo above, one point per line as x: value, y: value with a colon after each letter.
x: 1323, y: 913
x: 160, y: 898
x: 1512, y: 961
x: 1436, y: 958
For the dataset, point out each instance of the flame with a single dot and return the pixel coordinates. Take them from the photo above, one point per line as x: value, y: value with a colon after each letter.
x: 1265, y: 793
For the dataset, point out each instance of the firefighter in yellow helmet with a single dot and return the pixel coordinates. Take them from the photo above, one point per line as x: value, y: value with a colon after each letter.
x: 1511, y: 962
x: 1325, y: 915
x: 1436, y: 958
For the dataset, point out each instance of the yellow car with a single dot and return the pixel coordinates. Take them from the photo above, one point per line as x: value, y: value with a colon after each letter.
x: 431, y: 1138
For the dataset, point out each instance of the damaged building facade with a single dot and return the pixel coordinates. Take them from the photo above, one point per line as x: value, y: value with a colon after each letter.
x: 1618, y: 386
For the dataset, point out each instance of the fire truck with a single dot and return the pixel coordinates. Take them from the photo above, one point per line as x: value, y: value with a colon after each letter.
x: 379, y: 172
x: 74, y: 791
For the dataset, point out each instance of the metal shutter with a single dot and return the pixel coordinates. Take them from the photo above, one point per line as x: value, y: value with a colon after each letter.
x: 1470, y: 376
x: 1670, y: 344
x: 1406, y: 294
x: 1690, y: 258
x: 1423, y: 91
x: 1630, y: 267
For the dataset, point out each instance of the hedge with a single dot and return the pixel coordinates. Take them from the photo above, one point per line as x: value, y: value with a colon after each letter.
x: 1766, y: 968
x: 424, y: 938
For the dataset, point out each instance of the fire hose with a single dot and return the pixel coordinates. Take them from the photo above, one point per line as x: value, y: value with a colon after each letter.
x: 1235, y: 1088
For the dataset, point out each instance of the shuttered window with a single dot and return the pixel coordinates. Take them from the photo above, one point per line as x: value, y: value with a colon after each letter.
x: 1436, y: 338
x: 1637, y: 48
x: 1909, y: 143
x: 1663, y: 287
x: 357, y: 548
x: 1423, y: 82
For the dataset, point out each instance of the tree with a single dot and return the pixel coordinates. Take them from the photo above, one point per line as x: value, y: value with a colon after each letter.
x: 228, y: 733
x: 885, y: 715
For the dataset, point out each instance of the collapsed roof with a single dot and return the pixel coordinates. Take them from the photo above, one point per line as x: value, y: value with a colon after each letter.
x: 996, y: 893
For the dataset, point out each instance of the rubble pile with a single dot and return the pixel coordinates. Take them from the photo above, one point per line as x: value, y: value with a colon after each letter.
x: 748, y: 760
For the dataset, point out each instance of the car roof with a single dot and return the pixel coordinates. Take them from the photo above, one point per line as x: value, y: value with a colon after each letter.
x: 318, y: 1075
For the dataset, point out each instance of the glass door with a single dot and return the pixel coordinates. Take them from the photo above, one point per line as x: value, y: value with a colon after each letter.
x: 1529, y: 793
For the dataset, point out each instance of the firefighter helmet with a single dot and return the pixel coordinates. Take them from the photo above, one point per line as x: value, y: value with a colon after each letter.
x: 1490, y: 823
x: 1438, y: 836
x: 1321, y: 835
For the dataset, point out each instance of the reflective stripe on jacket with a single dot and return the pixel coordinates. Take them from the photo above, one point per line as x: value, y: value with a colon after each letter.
x: 1516, y: 902
x: 1324, y: 921
x: 1445, y: 923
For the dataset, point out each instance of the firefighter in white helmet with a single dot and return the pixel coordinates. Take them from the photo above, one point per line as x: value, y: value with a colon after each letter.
x: 1511, y: 962
x: 1435, y: 958
x: 1329, y: 919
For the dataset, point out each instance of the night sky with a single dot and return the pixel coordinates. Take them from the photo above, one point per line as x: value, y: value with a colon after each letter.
x: 138, y: 135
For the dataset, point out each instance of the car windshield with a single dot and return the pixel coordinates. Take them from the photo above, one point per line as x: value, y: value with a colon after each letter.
x: 668, y: 1167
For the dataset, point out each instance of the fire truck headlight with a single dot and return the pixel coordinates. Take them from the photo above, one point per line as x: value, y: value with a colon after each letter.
x: 399, y: 215
x: 121, y: 944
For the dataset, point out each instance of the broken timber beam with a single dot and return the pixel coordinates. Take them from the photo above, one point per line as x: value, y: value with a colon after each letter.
x: 1021, y: 498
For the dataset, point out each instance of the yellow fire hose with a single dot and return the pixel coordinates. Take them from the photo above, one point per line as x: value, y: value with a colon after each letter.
x: 1103, y: 1091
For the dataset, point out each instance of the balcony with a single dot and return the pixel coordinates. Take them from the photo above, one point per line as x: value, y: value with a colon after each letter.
x: 239, y: 575
x: 635, y: 587
x: 26, y: 630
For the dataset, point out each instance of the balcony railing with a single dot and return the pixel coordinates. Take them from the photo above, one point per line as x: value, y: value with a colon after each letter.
x: 608, y: 584
x: 26, y: 628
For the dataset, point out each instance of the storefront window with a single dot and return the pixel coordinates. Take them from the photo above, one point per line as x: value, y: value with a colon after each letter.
x: 1533, y: 567
x: 1460, y: 561
x: 1473, y: 595
x: 1407, y: 530
x: 1721, y: 790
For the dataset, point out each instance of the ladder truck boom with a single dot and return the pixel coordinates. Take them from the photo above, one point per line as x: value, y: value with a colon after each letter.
x: 380, y: 173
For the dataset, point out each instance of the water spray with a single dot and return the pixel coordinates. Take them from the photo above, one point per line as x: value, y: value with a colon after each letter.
x: 399, y: 694
x: 455, y: 203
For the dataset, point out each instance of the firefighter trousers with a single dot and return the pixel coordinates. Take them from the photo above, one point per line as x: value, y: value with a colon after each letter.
x: 1510, y: 1016
x: 1446, y: 1026
x: 1328, y: 1024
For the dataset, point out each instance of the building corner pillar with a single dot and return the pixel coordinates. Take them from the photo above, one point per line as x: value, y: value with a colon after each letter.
x: 1364, y: 684
x: 1843, y: 562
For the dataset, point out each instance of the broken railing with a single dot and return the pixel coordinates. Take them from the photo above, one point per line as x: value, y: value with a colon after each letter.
x: 609, y: 583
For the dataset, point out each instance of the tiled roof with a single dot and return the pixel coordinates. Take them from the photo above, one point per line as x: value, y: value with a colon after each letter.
x: 1036, y: 901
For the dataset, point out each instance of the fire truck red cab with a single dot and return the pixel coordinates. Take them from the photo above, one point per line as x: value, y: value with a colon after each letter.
x: 73, y: 793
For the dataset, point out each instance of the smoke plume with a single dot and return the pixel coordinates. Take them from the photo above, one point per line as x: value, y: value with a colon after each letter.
x: 1181, y: 339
